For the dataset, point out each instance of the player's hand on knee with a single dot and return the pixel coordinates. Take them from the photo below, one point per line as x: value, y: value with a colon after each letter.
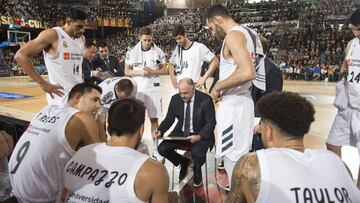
x: 52, y: 89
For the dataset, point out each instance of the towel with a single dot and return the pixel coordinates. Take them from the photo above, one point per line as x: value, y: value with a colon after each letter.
x: 341, y: 99
x: 259, y: 61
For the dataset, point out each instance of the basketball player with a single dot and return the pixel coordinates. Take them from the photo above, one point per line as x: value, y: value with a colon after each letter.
x: 63, y: 49
x: 346, y: 129
x: 114, y: 171
x: 236, y: 109
x: 119, y: 88
x: 286, y: 171
x: 114, y: 89
x: 187, y: 59
x: 37, y: 163
x: 145, y: 62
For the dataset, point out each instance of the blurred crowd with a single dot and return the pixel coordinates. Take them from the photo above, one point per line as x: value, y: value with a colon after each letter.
x: 306, y: 39
x: 53, y: 12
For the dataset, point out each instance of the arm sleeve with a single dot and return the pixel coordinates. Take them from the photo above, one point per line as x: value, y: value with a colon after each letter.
x: 206, y: 53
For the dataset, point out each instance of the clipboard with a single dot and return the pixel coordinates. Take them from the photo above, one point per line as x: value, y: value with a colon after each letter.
x: 173, y: 138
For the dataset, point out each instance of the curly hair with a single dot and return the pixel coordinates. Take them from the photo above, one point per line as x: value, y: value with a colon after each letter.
x: 290, y: 112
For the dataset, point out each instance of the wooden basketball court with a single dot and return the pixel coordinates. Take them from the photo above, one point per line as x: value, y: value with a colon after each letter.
x: 321, y: 94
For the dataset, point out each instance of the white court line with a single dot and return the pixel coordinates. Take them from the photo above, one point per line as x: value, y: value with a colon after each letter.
x: 309, y: 96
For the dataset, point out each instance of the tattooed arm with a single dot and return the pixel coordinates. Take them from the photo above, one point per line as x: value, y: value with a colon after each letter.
x: 245, y: 183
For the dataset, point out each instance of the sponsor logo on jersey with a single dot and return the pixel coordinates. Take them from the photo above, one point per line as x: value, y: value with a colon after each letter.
x: 66, y: 56
x: 65, y: 44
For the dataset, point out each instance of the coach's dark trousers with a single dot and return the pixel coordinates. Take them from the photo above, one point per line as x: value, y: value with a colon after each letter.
x: 198, y: 151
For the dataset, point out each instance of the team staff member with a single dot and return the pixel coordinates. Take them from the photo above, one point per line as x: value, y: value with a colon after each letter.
x: 63, y: 49
x: 145, y: 62
x: 195, y: 113
x: 87, y: 65
x: 37, y: 163
x: 107, y: 66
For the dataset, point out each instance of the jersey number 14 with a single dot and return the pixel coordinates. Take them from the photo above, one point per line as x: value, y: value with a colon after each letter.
x: 76, y: 69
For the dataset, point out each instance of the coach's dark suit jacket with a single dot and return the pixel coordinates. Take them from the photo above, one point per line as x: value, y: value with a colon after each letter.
x: 203, y: 117
x: 114, y: 67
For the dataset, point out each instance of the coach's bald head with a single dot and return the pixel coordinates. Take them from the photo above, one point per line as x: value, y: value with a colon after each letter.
x: 186, y: 89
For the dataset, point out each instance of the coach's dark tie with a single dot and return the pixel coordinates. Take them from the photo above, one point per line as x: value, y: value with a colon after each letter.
x: 107, y: 62
x: 187, y: 119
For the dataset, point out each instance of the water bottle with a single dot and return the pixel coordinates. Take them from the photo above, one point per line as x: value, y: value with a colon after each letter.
x: 5, y: 187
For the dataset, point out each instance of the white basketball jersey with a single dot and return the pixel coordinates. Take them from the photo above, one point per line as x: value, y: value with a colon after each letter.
x: 103, y: 173
x: 151, y: 58
x: 315, y: 175
x: 353, y: 77
x: 65, y: 69
x: 188, y: 62
x: 228, y: 66
x: 108, y: 95
x: 38, y: 160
